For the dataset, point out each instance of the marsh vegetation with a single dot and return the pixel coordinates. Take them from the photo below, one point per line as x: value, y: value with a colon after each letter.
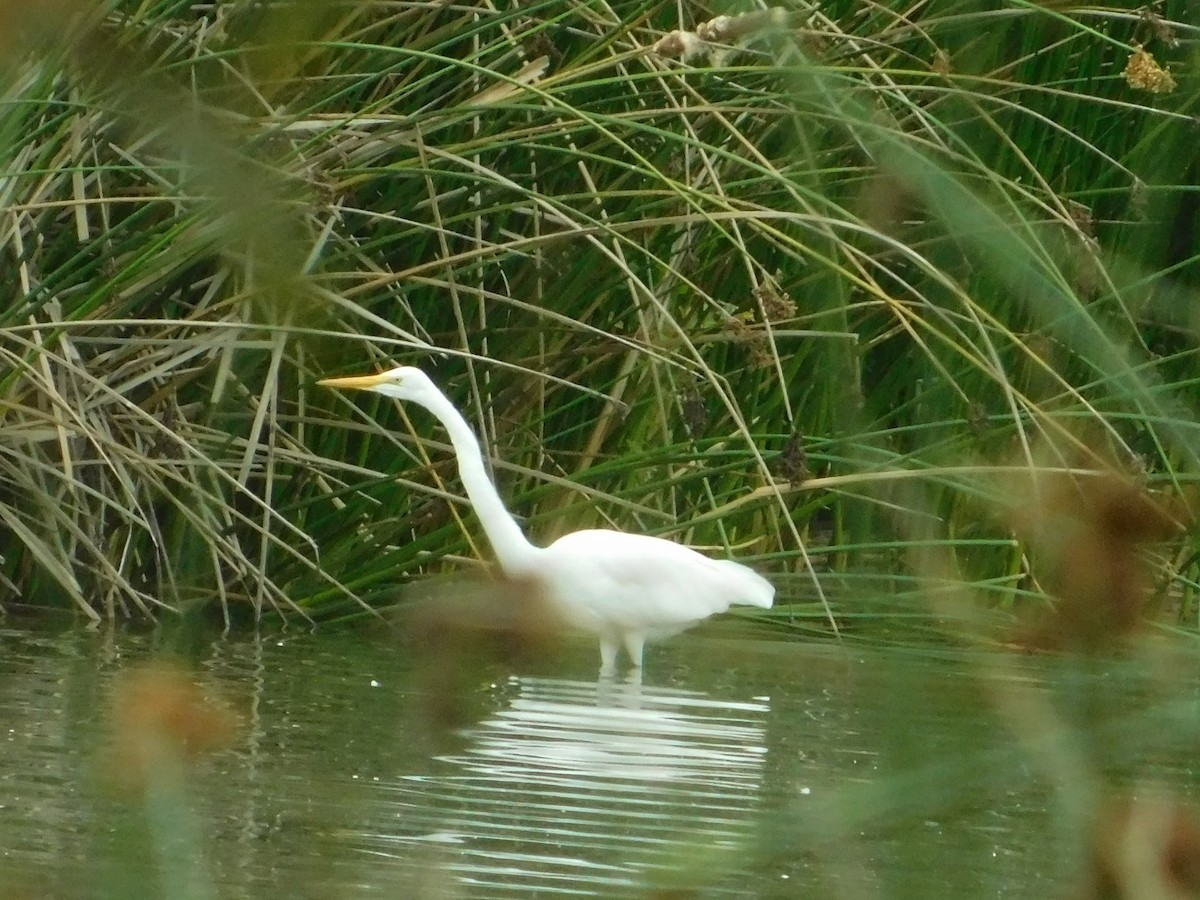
x: 894, y: 302
x: 827, y: 288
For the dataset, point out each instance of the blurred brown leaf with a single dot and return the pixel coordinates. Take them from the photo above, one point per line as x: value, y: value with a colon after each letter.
x: 1144, y: 848
x: 461, y: 634
x: 161, y: 717
x: 1086, y: 533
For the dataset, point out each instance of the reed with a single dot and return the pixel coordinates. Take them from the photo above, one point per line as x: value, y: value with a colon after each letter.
x: 815, y: 286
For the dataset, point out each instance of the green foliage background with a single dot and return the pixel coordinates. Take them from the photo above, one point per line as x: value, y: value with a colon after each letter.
x: 821, y: 296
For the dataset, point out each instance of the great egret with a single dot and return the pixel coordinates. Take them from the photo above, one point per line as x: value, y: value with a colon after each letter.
x: 624, y: 588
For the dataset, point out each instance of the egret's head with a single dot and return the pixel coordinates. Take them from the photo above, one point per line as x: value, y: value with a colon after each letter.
x: 402, y: 382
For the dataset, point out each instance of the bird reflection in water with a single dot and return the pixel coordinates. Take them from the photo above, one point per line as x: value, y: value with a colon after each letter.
x: 599, y: 785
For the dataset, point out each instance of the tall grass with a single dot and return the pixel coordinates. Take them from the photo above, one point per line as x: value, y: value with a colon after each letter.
x: 815, y: 293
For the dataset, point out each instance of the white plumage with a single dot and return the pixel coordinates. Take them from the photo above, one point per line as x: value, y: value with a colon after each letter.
x: 624, y: 588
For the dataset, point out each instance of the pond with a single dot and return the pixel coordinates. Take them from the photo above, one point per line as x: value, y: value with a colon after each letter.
x: 744, y: 764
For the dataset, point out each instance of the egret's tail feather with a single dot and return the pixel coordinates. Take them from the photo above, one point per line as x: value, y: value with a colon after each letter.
x: 754, y: 590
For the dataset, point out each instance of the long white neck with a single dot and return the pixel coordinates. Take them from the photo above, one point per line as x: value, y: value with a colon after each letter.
x: 513, y: 550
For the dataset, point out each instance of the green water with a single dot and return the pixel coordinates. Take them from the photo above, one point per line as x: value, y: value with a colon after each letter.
x: 743, y: 765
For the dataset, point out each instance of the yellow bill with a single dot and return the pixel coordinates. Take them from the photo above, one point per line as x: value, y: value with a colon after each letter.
x: 359, y: 382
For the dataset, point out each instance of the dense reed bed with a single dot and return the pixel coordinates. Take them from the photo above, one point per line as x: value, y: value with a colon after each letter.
x: 836, y: 290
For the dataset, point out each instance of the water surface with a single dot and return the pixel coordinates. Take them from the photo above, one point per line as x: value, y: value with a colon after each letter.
x: 743, y: 765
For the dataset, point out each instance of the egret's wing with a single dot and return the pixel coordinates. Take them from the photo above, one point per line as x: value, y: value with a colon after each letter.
x: 650, y: 583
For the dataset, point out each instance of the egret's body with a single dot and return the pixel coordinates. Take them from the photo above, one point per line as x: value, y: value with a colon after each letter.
x: 624, y: 588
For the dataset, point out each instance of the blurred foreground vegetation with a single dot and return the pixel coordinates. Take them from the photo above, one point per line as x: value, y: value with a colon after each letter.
x: 866, y: 294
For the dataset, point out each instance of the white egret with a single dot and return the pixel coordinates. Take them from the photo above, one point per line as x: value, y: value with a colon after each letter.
x: 624, y: 588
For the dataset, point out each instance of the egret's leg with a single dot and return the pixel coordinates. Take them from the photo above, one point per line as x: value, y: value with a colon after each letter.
x: 633, y: 646
x: 608, y: 654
